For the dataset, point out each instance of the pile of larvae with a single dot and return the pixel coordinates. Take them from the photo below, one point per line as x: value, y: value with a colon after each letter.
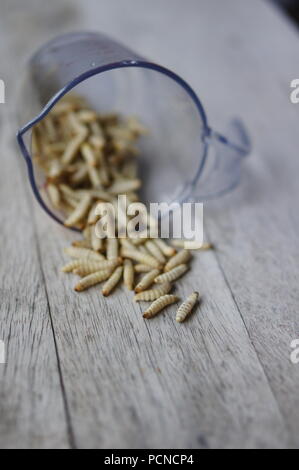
x: 90, y: 158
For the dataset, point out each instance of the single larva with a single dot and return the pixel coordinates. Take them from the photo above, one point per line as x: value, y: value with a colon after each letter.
x: 166, y: 249
x: 97, y: 141
x: 50, y: 129
x: 155, y: 251
x: 86, y: 116
x: 192, y: 245
x: 112, y: 248
x: 182, y: 257
x: 79, y: 212
x: 96, y: 193
x: 90, y: 265
x: 153, y: 294
x: 55, y: 169
x: 142, y: 268
x: 75, y: 124
x: 172, y: 275
x: 186, y: 308
x: 128, y: 274
x: 140, y: 257
x: 97, y: 243
x: 125, y: 186
x: 75, y: 252
x: 72, y: 148
x: 54, y: 195
x: 94, y: 177
x: 92, y: 217
x: 87, y: 235
x: 112, y: 281
x: 103, y: 172
x: 88, y: 154
x: 83, y: 271
x: 92, y: 279
x: 147, y: 280
x: 159, y: 305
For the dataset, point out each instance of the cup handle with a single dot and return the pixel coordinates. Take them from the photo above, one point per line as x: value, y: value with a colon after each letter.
x: 223, y: 161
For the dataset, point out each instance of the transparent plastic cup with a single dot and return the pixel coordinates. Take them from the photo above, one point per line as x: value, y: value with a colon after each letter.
x: 182, y: 159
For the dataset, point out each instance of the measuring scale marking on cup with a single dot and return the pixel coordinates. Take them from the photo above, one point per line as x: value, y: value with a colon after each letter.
x: 181, y: 145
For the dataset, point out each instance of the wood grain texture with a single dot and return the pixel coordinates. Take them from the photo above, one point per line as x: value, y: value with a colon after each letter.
x: 224, y: 378
x: 32, y: 408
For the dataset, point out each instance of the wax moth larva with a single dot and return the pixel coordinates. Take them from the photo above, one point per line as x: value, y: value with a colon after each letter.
x: 159, y: 305
x: 185, y: 309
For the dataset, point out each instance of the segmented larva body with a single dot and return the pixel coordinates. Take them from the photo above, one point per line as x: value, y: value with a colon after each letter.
x: 182, y: 257
x: 79, y: 212
x: 87, y: 236
x: 75, y: 252
x: 104, y: 174
x: 72, y: 148
x: 159, y: 305
x: 88, y: 154
x: 142, y: 268
x: 96, y: 242
x: 90, y: 266
x: 141, y: 257
x: 147, y: 280
x: 92, y: 215
x: 54, y: 195
x: 124, y: 186
x: 112, y: 281
x: 82, y: 272
x: 94, y: 176
x: 128, y: 274
x: 166, y: 249
x: 112, y: 248
x: 172, y: 275
x: 186, y: 308
x: 50, y: 129
x: 155, y: 251
x: 92, y: 279
x: 153, y: 294
x: 87, y: 116
x: 192, y: 245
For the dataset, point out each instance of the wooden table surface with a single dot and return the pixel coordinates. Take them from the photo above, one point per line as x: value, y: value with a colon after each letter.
x: 87, y: 372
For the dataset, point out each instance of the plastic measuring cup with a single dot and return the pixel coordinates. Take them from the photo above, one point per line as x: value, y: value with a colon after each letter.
x: 182, y: 159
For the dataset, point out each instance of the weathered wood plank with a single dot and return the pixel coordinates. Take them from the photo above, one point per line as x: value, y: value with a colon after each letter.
x: 157, y: 384
x: 31, y: 401
x: 136, y: 384
x: 257, y: 226
x: 131, y: 383
x: 32, y: 406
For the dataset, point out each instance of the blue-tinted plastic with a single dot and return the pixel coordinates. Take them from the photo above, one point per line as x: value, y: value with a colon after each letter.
x: 182, y: 158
